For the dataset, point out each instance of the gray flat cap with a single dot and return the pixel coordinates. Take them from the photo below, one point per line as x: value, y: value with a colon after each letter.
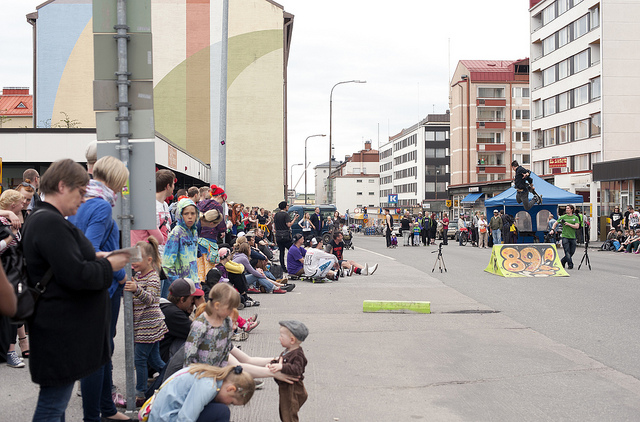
x: 298, y: 329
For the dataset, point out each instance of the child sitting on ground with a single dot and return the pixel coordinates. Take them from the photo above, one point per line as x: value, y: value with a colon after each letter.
x: 394, y: 240
x: 148, y: 320
x: 291, y: 362
x: 184, y: 396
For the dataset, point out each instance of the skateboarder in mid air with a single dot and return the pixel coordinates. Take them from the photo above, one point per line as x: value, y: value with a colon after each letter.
x: 524, y: 185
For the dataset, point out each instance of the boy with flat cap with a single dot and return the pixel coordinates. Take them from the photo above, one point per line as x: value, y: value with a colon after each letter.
x: 291, y: 362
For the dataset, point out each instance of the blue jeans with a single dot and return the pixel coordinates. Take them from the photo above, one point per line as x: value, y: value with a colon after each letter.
x: 215, y: 412
x: 164, y: 288
x: 146, y: 353
x: 252, y: 279
x: 96, y: 394
x: 569, y: 246
x: 52, y: 403
x: 497, y: 236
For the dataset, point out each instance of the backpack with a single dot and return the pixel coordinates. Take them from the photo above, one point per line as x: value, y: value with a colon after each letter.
x: 15, y: 267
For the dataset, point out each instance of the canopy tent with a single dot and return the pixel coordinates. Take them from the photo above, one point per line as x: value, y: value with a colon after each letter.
x: 551, y: 195
x: 472, y: 198
x: 535, y: 219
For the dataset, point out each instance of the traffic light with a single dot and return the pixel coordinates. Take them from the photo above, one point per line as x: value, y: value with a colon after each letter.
x: 365, y: 210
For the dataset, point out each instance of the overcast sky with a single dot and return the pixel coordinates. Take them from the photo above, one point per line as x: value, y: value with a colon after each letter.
x: 400, y: 48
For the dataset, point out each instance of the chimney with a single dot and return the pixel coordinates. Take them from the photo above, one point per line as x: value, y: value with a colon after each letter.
x: 15, y: 91
x: 367, y: 146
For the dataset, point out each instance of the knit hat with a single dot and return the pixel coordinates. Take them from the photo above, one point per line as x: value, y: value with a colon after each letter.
x: 298, y: 329
x: 223, y: 253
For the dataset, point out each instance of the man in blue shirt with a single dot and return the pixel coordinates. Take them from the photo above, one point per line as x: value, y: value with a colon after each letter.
x: 295, y: 256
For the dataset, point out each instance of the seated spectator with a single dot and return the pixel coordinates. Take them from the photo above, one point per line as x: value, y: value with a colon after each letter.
x: 295, y: 257
x: 336, y: 247
x: 320, y: 264
x: 176, y: 309
x: 253, y: 276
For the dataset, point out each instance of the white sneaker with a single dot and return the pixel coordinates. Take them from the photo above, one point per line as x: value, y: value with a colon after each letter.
x: 373, y: 269
x: 365, y: 270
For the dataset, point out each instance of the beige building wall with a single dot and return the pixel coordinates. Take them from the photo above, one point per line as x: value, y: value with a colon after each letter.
x: 17, y: 122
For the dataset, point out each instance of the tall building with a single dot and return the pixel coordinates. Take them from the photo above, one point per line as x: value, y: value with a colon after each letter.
x: 186, y: 51
x: 414, y: 166
x: 490, y: 119
x: 321, y: 174
x: 356, y: 181
x: 586, y: 98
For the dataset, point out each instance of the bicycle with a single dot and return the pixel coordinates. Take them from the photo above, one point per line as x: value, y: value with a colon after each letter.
x: 463, y: 236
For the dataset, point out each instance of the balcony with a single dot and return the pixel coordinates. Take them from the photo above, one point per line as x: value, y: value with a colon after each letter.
x: 491, y: 102
x: 491, y: 147
x: 490, y: 169
x: 498, y: 124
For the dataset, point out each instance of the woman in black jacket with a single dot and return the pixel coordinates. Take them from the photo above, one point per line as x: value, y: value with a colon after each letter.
x: 69, y: 328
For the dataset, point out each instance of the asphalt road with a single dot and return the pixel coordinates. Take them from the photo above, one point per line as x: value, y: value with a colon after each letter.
x: 493, y: 348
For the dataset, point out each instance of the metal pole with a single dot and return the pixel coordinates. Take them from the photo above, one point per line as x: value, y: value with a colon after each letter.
x: 123, y: 119
x: 222, y: 145
x: 291, y: 175
x: 329, y: 192
x: 307, y: 166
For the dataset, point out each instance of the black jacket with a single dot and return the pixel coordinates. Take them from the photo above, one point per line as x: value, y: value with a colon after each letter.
x: 315, y: 220
x: 521, y: 180
x: 179, y: 325
x: 70, y: 327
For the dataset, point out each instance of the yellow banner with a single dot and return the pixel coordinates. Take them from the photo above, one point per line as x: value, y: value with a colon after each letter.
x: 526, y: 260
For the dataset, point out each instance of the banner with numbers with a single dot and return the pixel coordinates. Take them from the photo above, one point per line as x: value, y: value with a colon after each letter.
x: 526, y: 260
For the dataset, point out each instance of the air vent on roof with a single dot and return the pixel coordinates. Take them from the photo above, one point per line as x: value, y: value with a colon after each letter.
x: 21, y: 105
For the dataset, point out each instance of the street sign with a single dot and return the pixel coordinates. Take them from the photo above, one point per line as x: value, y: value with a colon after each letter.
x: 105, y: 95
x: 426, y: 206
x: 141, y: 125
x: 393, y: 198
x: 105, y: 17
x: 448, y: 203
x: 140, y: 63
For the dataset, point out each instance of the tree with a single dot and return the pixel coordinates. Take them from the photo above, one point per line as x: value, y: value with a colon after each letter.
x: 67, y: 122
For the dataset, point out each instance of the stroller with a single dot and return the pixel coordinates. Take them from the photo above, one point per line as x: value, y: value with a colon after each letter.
x: 348, y: 240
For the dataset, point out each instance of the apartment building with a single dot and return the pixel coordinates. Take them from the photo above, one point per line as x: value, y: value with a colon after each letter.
x: 414, y: 166
x: 356, y: 181
x: 586, y: 97
x: 490, y: 127
x: 16, y: 108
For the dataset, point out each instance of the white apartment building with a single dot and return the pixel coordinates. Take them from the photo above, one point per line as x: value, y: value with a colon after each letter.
x: 321, y: 173
x: 414, y: 166
x: 585, y: 96
x: 356, y: 182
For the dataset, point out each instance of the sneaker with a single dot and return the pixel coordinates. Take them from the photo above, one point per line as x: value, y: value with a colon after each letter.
x: 239, y: 336
x: 140, y: 401
x: 289, y: 287
x: 251, y: 325
x: 253, y: 318
x: 252, y: 290
x: 14, y: 361
x: 350, y: 273
x: 365, y: 270
x: 241, y: 306
x: 278, y: 291
x: 259, y: 384
x: 373, y: 269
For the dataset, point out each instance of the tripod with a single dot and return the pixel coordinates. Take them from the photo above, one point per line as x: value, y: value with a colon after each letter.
x: 586, y: 250
x: 439, y: 260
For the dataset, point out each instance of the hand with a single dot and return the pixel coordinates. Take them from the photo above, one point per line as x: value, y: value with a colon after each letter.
x: 15, y: 221
x: 289, y: 379
x: 118, y: 261
x: 130, y: 286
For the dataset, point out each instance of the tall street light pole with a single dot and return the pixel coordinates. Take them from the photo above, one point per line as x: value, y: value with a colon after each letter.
x: 291, y: 174
x: 306, y: 163
x: 329, y: 192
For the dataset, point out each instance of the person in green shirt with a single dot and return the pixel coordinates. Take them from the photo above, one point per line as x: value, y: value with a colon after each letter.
x: 571, y: 223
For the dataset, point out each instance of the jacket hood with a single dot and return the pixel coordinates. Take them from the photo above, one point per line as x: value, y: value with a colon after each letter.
x: 185, y: 202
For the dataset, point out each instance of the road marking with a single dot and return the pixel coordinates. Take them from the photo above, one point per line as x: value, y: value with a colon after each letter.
x: 630, y: 276
x: 376, y: 253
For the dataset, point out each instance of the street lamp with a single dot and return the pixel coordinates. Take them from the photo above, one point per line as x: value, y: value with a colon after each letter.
x: 307, y: 166
x: 291, y: 174
x: 330, y: 131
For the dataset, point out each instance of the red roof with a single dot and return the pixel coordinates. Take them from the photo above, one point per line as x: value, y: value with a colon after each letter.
x: 493, y: 70
x: 16, y: 102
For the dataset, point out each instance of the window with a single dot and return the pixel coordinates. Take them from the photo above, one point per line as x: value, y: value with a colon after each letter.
x: 548, y: 14
x: 430, y: 153
x: 581, y: 95
x: 440, y: 153
x: 358, y: 180
x: 372, y: 180
x: 595, y: 124
x: 563, y: 6
x: 595, y: 16
x: 581, y: 27
x: 433, y: 170
x: 520, y: 92
x: 537, y: 109
x: 441, y: 187
x: 581, y: 129
x: 520, y: 136
x: 595, y: 88
x: 581, y: 162
x: 549, y: 75
x: 491, y: 92
x: 550, y: 106
x: 564, y: 134
x: 564, y: 101
x: 564, y: 69
x: 522, y: 158
x: 440, y: 136
x: 429, y: 136
x: 581, y: 61
x: 550, y: 137
x: 372, y: 193
x: 563, y: 36
x: 538, y: 138
x: 548, y: 44
x: 358, y: 193
x: 521, y: 114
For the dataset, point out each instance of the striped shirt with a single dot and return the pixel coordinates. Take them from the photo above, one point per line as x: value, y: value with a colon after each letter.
x: 148, y: 319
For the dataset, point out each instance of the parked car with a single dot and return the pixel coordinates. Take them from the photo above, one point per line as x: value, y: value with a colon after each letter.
x: 325, y: 211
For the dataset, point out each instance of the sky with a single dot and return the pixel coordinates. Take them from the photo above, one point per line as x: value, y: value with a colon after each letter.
x: 405, y: 50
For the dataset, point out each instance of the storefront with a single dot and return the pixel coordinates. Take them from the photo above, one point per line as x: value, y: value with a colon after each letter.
x: 619, y: 184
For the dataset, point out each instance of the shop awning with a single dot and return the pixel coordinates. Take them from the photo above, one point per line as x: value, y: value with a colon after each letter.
x: 472, y: 198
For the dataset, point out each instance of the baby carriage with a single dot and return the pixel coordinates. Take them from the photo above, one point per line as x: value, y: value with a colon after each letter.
x: 347, y: 238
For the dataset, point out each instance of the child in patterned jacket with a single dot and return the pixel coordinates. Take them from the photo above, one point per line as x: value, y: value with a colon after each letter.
x: 148, y: 319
